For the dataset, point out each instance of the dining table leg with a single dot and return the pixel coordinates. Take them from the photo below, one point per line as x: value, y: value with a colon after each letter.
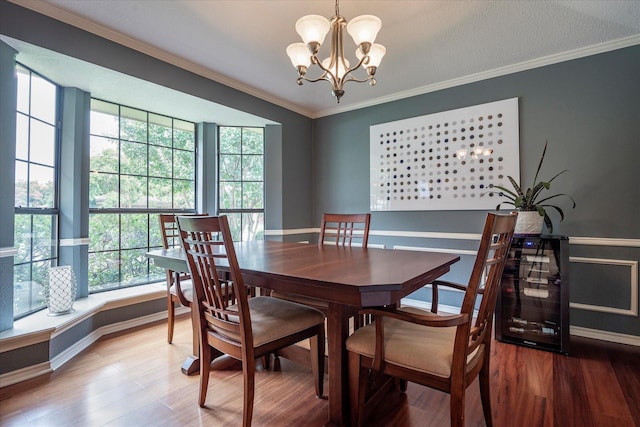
x: 191, y: 365
x: 337, y: 332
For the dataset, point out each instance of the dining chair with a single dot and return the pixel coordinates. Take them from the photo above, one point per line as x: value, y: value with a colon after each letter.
x: 345, y: 229
x: 335, y: 229
x: 178, y: 291
x: 251, y: 327
x: 444, y: 352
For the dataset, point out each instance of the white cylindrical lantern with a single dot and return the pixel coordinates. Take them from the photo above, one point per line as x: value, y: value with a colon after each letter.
x: 62, y: 290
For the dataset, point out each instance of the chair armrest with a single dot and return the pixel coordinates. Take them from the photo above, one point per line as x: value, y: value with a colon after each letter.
x: 177, y: 277
x: 426, y: 320
x: 448, y: 284
x: 434, y: 291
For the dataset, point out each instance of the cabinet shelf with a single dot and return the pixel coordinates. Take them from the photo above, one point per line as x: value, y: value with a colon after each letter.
x: 533, y: 303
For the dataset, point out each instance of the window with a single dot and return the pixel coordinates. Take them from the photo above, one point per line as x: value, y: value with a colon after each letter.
x: 141, y: 164
x: 36, y: 208
x: 241, y: 180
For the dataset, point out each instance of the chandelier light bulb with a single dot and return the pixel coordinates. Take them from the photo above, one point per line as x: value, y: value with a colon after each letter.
x: 376, y: 52
x: 299, y: 54
x: 364, y: 29
x: 313, y: 29
x: 341, y: 69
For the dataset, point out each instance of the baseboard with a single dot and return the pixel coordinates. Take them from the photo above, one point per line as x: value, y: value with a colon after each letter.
x: 615, y: 337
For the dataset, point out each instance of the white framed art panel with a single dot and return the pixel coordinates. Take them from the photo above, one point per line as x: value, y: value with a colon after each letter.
x: 446, y: 160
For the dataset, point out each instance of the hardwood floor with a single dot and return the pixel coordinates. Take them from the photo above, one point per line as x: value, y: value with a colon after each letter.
x: 133, y: 379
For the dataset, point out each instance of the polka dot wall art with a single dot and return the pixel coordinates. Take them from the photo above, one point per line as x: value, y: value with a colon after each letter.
x: 445, y: 161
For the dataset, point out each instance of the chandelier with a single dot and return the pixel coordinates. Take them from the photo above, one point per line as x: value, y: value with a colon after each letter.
x: 336, y: 68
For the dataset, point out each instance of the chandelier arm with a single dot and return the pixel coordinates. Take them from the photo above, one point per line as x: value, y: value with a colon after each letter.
x: 306, y: 79
x: 363, y: 60
x: 353, y: 79
x: 331, y: 77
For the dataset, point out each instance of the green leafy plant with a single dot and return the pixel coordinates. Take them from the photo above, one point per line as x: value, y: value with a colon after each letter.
x: 534, y: 198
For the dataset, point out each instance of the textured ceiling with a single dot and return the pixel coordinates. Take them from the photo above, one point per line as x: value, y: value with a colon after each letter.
x: 430, y: 44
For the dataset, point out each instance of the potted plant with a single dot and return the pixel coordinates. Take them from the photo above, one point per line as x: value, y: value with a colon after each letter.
x: 532, y: 204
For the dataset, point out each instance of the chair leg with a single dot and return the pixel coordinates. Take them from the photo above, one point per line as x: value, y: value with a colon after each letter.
x: 357, y: 389
x: 316, y: 344
x: 171, y: 316
x: 249, y: 372
x: 266, y: 361
x: 276, y: 362
x: 485, y: 394
x: 457, y: 408
x: 205, y: 366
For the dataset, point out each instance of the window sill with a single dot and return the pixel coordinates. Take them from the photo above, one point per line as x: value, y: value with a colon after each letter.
x: 39, y: 327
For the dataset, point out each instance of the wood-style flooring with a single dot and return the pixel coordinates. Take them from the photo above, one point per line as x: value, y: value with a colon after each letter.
x: 133, y: 379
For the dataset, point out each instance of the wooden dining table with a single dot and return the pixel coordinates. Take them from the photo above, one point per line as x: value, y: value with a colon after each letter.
x: 346, y: 278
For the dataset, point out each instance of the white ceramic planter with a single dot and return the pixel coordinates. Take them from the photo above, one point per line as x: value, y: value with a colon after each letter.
x: 529, y: 223
x: 62, y: 290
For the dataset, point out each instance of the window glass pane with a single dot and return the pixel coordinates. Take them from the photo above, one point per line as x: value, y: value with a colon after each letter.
x: 253, y: 226
x: 133, y: 158
x: 231, y: 140
x: 41, y: 181
x: 24, y: 82
x: 43, y: 99
x: 156, y: 274
x: 160, y: 159
x: 22, y: 190
x: 103, y: 190
x: 160, y: 130
x: 43, y: 143
x: 134, y: 231
x: 184, y: 135
x: 104, y: 118
x: 34, y: 242
x: 104, y: 270
x: 133, y: 192
x: 160, y: 193
x: 252, y: 195
x: 253, y: 141
x: 184, y: 194
x: 103, y: 154
x: 183, y: 162
x: 155, y: 239
x: 134, y: 267
x: 133, y: 124
x: 252, y: 168
x: 230, y: 167
x: 22, y: 137
x: 235, y: 225
x: 104, y: 232
x: 230, y: 195
x: 22, y: 238
x: 43, y: 239
x: 28, y: 288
